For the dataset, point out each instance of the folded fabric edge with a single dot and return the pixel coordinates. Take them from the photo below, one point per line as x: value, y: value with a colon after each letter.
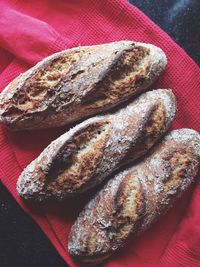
x: 9, y: 161
x: 43, y: 224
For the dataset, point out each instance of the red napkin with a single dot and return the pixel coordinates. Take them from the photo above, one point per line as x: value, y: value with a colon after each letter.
x: 31, y: 30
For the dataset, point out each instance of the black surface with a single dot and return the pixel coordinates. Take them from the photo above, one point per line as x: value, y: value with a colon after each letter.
x: 179, y: 18
x: 22, y: 243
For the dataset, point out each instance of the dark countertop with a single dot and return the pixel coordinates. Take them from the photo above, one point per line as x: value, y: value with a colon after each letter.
x: 179, y: 18
x: 22, y: 243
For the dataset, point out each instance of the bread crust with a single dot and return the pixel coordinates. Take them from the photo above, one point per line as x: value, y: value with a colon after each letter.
x: 79, y: 82
x: 84, y: 156
x: 135, y: 198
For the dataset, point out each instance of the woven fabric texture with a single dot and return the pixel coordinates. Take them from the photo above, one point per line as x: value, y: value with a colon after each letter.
x: 31, y: 30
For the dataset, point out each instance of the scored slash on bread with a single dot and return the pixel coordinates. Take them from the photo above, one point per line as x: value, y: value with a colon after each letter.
x: 84, y: 156
x: 132, y: 200
x: 78, y: 83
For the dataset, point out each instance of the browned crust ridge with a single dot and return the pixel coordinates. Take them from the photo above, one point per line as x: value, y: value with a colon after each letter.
x: 84, y: 156
x: 135, y: 198
x: 78, y: 83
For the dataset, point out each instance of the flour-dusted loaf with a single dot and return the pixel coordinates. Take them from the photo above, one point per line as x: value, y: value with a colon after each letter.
x: 82, y: 157
x: 135, y: 198
x: 78, y: 83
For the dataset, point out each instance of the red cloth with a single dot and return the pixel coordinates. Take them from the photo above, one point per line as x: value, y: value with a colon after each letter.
x: 31, y: 30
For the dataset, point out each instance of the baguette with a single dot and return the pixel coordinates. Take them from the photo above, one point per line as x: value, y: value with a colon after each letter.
x: 135, y: 198
x: 84, y: 156
x: 79, y: 82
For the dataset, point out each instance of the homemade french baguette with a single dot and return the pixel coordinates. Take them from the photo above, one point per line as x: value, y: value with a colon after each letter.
x: 82, y: 157
x: 78, y: 83
x: 135, y: 198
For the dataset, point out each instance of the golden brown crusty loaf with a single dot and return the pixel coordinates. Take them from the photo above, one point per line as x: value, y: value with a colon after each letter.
x: 135, y: 198
x: 79, y: 82
x: 82, y: 157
